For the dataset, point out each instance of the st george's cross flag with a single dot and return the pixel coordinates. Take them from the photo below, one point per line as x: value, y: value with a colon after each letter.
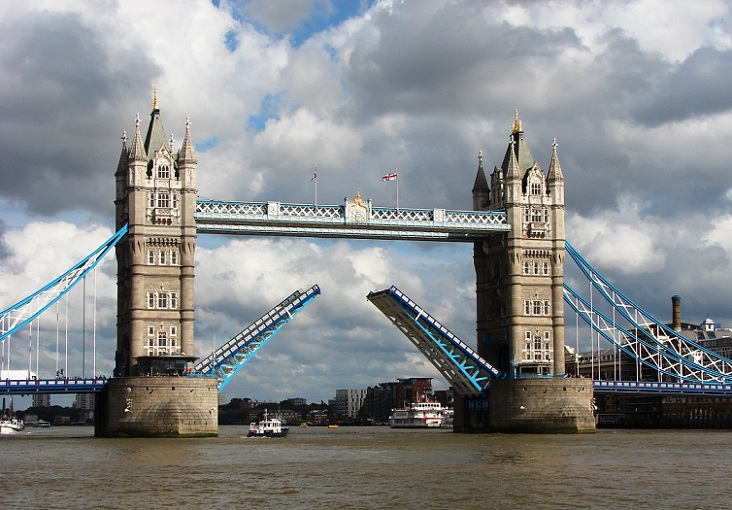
x: 390, y: 177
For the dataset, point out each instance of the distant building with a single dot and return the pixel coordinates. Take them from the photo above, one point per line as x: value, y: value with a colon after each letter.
x: 84, y: 401
x: 41, y: 400
x: 348, y: 402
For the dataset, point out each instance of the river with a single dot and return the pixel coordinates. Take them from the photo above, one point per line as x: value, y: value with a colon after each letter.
x: 368, y: 468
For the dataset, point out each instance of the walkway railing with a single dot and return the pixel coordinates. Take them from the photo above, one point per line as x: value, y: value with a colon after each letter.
x: 355, y: 219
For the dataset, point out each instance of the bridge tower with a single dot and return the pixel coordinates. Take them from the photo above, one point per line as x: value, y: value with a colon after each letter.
x: 156, y: 197
x: 520, y: 307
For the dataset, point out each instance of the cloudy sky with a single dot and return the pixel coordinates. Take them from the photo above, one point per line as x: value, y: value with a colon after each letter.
x: 637, y: 94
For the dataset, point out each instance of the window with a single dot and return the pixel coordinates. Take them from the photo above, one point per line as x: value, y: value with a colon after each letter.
x: 527, y: 307
x: 151, y: 200
x: 163, y: 200
x: 536, y: 188
x: 173, y: 331
x: 162, y: 339
x: 546, y: 268
x: 174, y: 300
x: 527, y: 215
x: 175, y: 200
x: 547, y: 308
x: 536, y: 216
x: 151, y: 330
x: 163, y: 258
x: 162, y: 300
x: 151, y: 300
x: 150, y: 257
x: 163, y: 172
x: 537, y: 307
x: 527, y: 267
x: 536, y: 267
x: 173, y: 258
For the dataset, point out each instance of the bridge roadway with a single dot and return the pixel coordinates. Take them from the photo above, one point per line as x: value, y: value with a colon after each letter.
x: 356, y: 219
x: 96, y: 384
x: 52, y: 386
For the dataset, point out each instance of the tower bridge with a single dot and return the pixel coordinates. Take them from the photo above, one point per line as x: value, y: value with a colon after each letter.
x: 514, y: 381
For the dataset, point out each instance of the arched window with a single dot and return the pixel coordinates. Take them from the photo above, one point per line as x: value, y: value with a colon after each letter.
x: 163, y: 171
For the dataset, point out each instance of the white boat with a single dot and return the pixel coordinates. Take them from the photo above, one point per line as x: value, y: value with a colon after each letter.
x: 11, y: 426
x: 448, y: 415
x: 417, y: 415
x: 268, y: 427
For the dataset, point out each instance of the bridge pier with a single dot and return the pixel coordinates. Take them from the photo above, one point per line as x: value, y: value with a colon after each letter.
x: 546, y: 406
x: 157, y: 407
x: 541, y: 405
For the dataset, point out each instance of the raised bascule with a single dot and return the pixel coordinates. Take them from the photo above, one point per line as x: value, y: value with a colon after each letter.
x: 513, y: 381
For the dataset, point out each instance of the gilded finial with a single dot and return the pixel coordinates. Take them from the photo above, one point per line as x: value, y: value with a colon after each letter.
x: 155, y: 98
x: 517, y: 124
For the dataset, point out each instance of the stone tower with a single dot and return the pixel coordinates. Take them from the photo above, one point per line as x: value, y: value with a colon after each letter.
x: 156, y: 197
x: 520, y: 307
x: 520, y: 274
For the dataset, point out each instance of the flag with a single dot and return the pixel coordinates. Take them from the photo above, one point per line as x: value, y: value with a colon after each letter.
x: 390, y: 177
x: 315, y: 174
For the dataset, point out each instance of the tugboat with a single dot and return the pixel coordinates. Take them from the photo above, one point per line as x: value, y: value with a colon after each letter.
x: 268, y: 427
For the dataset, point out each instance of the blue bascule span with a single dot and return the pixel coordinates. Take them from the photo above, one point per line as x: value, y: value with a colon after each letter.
x: 227, y: 360
x: 635, y: 332
x: 464, y: 369
x: 25, y: 311
x: 356, y: 219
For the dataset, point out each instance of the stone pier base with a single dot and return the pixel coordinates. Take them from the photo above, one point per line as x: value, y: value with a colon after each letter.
x: 158, y: 407
x: 541, y: 405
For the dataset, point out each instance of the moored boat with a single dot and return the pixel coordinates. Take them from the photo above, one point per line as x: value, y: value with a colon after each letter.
x: 268, y: 427
x: 417, y: 415
x: 11, y: 426
x: 448, y: 415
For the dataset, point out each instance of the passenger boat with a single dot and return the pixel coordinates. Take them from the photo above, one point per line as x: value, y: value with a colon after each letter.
x: 268, y: 427
x: 11, y: 426
x: 417, y: 415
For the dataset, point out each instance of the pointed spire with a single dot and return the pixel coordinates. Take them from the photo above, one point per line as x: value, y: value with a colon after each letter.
x: 123, y: 161
x: 481, y: 183
x: 155, y: 138
x: 137, y: 151
x: 512, y: 166
x: 187, y: 154
x: 555, y: 170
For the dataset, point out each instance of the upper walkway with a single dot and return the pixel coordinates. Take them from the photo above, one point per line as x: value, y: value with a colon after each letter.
x: 356, y: 219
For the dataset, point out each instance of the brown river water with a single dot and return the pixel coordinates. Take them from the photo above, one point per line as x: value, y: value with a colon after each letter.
x: 368, y: 468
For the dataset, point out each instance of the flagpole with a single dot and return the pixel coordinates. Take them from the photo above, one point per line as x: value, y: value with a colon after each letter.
x: 315, y: 178
x: 396, y: 172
